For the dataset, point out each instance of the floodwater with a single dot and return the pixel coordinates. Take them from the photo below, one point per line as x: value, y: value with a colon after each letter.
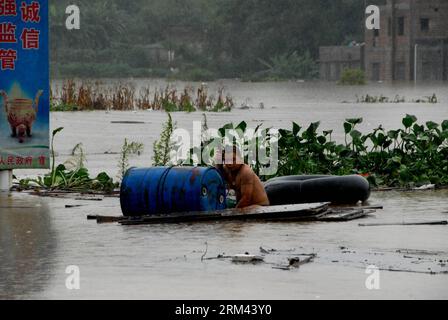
x: 40, y: 237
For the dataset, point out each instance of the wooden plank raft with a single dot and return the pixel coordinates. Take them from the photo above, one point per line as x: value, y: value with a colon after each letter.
x: 345, y: 215
x: 297, y: 212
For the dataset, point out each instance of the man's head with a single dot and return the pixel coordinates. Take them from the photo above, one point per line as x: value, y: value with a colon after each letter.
x: 232, y: 158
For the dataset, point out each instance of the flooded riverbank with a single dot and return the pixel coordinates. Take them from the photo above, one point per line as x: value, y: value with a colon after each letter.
x: 102, y: 133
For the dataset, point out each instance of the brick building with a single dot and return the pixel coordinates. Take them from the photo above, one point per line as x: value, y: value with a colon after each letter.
x: 407, y: 27
x: 334, y: 59
x: 390, y: 51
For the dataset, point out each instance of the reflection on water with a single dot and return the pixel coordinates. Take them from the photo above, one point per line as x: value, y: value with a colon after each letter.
x: 27, y: 245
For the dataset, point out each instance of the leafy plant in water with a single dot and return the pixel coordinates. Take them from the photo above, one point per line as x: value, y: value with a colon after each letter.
x: 397, y: 99
x: 53, y: 155
x: 86, y: 95
x: 289, y: 66
x: 128, y: 149
x: 413, y: 155
x: 78, y: 157
x: 71, y: 176
x: 352, y: 77
x: 163, y: 148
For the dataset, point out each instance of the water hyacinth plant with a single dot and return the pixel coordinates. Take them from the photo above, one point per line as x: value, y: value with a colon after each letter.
x: 413, y: 155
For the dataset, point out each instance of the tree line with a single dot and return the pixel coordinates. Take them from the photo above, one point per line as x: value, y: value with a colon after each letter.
x: 252, y: 39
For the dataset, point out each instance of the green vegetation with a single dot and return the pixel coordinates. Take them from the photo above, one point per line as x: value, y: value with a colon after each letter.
x: 70, y: 176
x: 397, y: 99
x: 256, y: 39
x: 379, y: 99
x: 64, y: 107
x: 353, y: 77
x: 427, y: 99
x: 164, y: 146
x: 73, y: 176
x: 413, y: 155
x: 128, y: 149
x: 77, y: 180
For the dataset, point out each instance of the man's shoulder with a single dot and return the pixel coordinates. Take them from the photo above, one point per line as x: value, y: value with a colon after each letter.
x: 246, y: 173
x: 246, y: 169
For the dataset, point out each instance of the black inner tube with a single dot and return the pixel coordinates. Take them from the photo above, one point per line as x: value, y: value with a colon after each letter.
x: 309, y: 189
x: 298, y: 178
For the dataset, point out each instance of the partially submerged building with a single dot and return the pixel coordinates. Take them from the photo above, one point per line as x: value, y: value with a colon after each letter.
x: 411, y: 32
x: 334, y: 59
x: 412, y: 41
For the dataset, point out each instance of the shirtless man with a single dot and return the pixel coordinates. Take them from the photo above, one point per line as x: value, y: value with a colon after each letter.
x: 240, y: 177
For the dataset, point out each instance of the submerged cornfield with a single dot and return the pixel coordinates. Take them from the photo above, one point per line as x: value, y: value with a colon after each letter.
x: 87, y: 96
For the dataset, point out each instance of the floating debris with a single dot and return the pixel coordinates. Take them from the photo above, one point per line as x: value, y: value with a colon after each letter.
x: 422, y: 223
x: 88, y: 199
x: 426, y: 187
x: 418, y: 252
x: 265, y: 251
x: 247, y: 258
x: 128, y: 122
x: 104, y: 219
x: 295, y: 262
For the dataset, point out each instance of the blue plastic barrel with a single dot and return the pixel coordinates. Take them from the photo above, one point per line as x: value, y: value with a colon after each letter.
x: 163, y: 190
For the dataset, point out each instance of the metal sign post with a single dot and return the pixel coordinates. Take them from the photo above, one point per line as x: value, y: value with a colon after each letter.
x: 5, y: 180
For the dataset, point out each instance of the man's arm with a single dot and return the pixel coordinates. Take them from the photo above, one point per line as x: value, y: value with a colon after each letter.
x: 246, y: 191
x: 225, y: 174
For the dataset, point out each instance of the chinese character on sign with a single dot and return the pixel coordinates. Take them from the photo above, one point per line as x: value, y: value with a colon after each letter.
x: 42, y: 160
x: 8, y: 59
x: 19, y: 161
x: 8, y: 33
x: 28, y: 161
x: 30, y: 38
x: 30, y: 13
x: 8, y: 8
x: 10, y: 161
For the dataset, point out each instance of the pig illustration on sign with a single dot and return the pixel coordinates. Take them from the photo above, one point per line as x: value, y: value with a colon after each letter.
x: 21, y: 114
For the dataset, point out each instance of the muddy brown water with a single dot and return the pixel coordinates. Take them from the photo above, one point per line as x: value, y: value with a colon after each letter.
x: 40, y: 237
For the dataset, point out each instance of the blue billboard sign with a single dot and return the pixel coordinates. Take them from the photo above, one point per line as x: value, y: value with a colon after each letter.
x: 24, y: 84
